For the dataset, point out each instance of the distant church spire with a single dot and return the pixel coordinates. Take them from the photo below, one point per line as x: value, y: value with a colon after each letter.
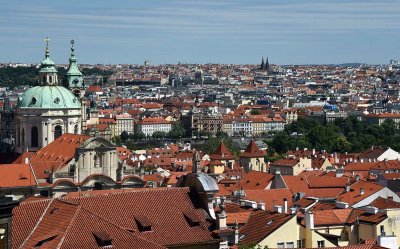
x: 262, y: 66
x: 267, y: 65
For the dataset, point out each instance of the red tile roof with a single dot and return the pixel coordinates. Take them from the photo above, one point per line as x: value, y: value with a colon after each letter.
x: 255, y: 180
x: 270, y: 197
x: 222, y: 153
x: 261, y: 224
x: 57, y: 154
x: 67, y: 225
x: 16, y: 175
x: 354, y: 195
x: 252, y: 151
x: 163, y: 207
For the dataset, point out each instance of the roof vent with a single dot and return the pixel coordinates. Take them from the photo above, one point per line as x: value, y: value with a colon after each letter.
x: 102, y: 238
x: 45, y: 239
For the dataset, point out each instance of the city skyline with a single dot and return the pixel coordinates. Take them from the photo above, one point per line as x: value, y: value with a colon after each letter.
x: 235, y: 32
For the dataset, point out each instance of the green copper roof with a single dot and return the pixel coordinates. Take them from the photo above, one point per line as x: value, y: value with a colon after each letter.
x: 73, y: 75
x: 49, y: 97
x: 47, y: 65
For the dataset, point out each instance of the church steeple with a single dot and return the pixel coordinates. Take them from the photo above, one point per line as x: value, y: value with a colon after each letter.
x: 262, y: 66
x: 47, y: 72
x: 74, y: 76
x: 267, y: 65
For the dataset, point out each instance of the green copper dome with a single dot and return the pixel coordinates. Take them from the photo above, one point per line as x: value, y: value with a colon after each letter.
x: 49, y: 97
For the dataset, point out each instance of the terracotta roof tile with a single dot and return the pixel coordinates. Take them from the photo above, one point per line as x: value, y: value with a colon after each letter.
x: 252, y: 151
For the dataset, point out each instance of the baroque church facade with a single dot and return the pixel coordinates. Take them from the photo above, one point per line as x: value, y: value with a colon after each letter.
x: 47, y: 111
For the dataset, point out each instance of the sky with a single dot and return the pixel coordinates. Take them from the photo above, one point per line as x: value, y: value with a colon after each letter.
x: 207, y: 31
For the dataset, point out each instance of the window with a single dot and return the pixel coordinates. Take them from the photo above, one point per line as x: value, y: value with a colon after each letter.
x: 76, y: 129
x: 57, y: 132
x: 34, y: 137
x: 301, y: 243
x: 382, y: 230
x: 281, y: 244
x: 321, y: 243
x: 289, y: 245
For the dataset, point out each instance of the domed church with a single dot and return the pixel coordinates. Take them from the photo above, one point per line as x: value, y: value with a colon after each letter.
x: 47, y: 111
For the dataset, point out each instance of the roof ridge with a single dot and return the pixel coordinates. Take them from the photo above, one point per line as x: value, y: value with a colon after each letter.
x: 37, y: 223
x: 69, y: 224
x: 120, y: 193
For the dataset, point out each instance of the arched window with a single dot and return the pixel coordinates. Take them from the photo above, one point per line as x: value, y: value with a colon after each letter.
x: 44, y: 78
x: 76, y: 129
x: 34, y: 137
x: 57, y: 132
x: 50, y: 79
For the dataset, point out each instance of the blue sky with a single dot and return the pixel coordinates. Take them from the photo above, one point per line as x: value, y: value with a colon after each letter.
x: 208, y: 31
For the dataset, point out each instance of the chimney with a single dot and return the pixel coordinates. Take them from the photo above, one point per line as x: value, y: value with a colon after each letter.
x: 347, y: 187
x: 293, y: 210
x: 313, y: 152
x: 285, y: 205
x: 278, y: 209
x: 26, y: 160
x: 362, y: 191
x: 309, y: 219
x: 305, y: 149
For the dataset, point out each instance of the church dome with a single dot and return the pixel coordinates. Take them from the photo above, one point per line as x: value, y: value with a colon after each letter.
x: 49, y: 97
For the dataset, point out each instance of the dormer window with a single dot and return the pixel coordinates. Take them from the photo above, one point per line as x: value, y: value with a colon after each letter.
x: 102, y: 238
x: 57, y: 100
x: 33, y: 101
x: 143, y: 223
x: 192, y: 218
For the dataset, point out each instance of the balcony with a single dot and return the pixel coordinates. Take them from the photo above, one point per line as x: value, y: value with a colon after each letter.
x: 64, y: 175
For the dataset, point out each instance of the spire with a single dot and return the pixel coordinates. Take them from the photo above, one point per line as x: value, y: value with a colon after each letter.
x: 47, y: 52
x: 267, y: 65
x: 47, y: 72
x: 262, y: 63
x: 73, y: 76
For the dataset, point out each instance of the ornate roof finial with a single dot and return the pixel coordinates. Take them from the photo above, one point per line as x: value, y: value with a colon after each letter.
x: 47, y: 46
x: 72, y: 47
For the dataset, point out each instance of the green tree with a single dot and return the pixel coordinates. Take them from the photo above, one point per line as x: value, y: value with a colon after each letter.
x: 159, y: 134
x: 139, y: 136
x: 177, y: 131
x: 255, y: 112
x: 124, y: 136
x: 116, y: 140
x: 211, y: 144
